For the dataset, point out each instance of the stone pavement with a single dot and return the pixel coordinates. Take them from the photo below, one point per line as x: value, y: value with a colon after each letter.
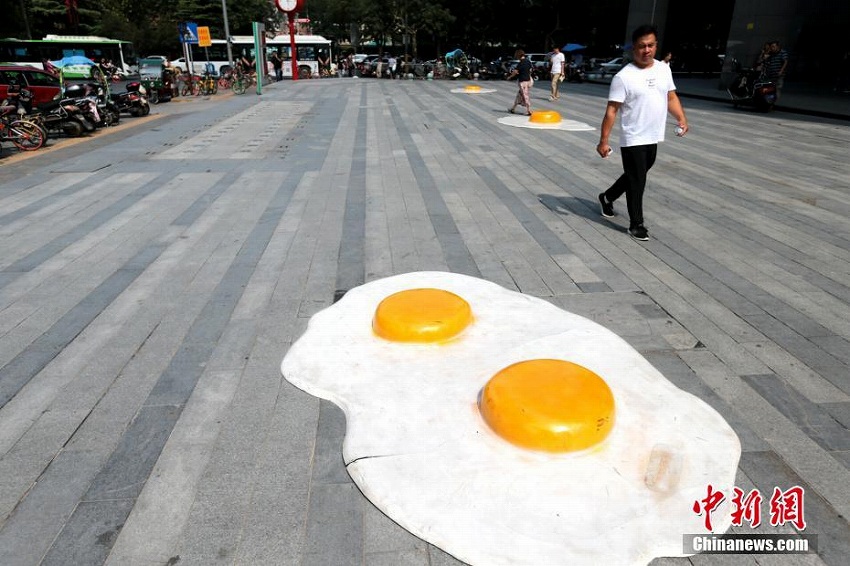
x: 152, y: 279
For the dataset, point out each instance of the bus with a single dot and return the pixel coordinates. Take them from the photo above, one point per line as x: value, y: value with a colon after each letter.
x: 54, y: 47
x: 307, y: 48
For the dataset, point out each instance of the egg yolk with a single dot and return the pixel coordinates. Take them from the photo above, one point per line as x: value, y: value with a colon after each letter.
x: 421, y: 315
x: 545, y: 117
x: 549, y: 405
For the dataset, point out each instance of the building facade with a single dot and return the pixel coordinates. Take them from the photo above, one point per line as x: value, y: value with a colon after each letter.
x: 716, y: 36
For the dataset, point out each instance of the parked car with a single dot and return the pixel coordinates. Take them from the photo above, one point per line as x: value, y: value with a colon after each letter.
x: 540, y: 61
x: 44, y: 86
x: 385, y: 67
x: 613, y: 66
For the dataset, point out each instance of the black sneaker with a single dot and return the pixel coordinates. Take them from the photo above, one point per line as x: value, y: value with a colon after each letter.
x: 607, y: 207
x: 639, y: 233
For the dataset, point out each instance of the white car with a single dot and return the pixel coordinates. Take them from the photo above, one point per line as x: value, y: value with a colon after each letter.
x: 180, y: 64
x: 540, y: 61
x: 613, y: 66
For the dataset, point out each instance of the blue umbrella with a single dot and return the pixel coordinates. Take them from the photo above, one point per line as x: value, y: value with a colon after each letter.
x: 73, y: 60
x: 570, y: 47
x: 75, y: 67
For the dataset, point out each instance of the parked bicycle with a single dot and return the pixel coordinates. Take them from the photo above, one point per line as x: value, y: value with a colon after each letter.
x: 240, y: 82
x: 207, y: 84
x: 23, y: 134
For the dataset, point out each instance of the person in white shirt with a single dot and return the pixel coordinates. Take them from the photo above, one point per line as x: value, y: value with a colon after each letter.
x: 645, y: 92
x: 556, y: 72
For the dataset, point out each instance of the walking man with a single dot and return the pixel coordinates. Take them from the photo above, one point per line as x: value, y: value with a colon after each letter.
x: 775, y: 66
x: 645, y: 92
x: 556, y: 71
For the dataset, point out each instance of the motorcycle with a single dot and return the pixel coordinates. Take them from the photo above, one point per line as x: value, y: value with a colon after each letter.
x: 91, y: 99
x: 133, y: 100
x: 56, y: 117
x: 575, y: 74
x: 751, y: 88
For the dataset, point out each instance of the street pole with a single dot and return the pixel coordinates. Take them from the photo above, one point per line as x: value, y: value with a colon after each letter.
x: 227, y: 33
x: 291, y: 16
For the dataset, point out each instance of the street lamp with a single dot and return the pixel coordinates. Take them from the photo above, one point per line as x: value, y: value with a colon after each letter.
x: 227, y: 33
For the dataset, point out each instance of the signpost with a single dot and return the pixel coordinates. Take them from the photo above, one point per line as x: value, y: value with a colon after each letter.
x: 290, y: 8
x: 204, y: 39
x: 188, y: 32
x: 260, y: 53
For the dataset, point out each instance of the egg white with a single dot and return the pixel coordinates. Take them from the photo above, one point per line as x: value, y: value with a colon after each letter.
x: 418, y: 448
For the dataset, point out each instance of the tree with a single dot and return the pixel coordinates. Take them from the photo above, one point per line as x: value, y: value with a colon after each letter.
x: 422, y: 16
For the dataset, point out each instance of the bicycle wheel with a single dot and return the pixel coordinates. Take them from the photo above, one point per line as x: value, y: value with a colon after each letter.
x: 38, y: 122
x: 25, y: 135
x: 239, y: 86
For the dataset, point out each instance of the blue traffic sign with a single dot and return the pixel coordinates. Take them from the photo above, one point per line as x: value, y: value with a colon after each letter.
x: 188, y: 32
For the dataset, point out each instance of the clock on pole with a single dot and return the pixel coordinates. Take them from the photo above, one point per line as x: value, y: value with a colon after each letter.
x: 287, y: 5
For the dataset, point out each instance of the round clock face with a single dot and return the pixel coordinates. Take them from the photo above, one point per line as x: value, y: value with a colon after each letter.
x: 287, y: 5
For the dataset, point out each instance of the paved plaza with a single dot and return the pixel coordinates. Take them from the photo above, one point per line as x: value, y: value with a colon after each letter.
x: 152, y: 279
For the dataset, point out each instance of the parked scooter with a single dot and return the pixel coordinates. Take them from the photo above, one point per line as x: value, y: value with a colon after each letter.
x: 92, y: 101
x: 133, y: 100
x: 574, y: 73
x: 56, y: 117
x: 750, y: 88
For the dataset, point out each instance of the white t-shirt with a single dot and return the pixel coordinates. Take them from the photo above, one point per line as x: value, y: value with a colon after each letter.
x: 643, y: 93
x: 557, y: 62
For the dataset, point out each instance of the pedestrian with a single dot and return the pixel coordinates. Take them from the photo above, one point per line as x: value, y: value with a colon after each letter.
x: 776, y: 65
x: 277, y: 65
x: 644, y: 91
x: 349, y: 64
x: 324, y: 61
x: 391, y: 66
x: 668, y: 59
x: 762, y: 57
x: 523, y: 74
x: 557, y: 72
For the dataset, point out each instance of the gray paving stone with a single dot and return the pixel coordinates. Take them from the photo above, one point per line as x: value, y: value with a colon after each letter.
x: 812, y: 419
x: 768, y: 471
x: 334, y: 525
x: 328, y: 465
x: 88, y: 536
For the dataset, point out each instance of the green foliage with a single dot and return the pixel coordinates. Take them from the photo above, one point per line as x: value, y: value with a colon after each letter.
x: 482, y: 27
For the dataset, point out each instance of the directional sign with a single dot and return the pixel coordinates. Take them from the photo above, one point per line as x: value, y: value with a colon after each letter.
x: 188, y: 32
x: 204, y: 39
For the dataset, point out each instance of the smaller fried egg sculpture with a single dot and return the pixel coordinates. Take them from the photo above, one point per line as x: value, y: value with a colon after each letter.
x: 505, y: 430
x: 473, y: 89
x: 545, y: 120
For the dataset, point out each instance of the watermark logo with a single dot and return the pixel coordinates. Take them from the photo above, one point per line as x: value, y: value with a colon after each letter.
x: 750, y: 544
x: 785, y: 507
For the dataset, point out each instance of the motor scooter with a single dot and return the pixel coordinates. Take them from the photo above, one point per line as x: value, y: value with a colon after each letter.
x: 751, y: 88
x: 133, y: 100
x: 575, y: 74
x: 55, y: 117
x: 91, y: 99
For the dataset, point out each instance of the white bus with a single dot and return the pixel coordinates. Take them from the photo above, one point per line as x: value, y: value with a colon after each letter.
x: 307, y: 55
x: 54, y: 47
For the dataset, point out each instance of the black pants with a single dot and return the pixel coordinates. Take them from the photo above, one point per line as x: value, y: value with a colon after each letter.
x: 637, y: 161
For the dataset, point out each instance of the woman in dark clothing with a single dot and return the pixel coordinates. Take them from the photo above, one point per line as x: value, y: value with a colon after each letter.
x: 523, y: 74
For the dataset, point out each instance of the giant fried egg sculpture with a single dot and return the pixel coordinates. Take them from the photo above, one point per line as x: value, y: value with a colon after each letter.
x: 505, y: 430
